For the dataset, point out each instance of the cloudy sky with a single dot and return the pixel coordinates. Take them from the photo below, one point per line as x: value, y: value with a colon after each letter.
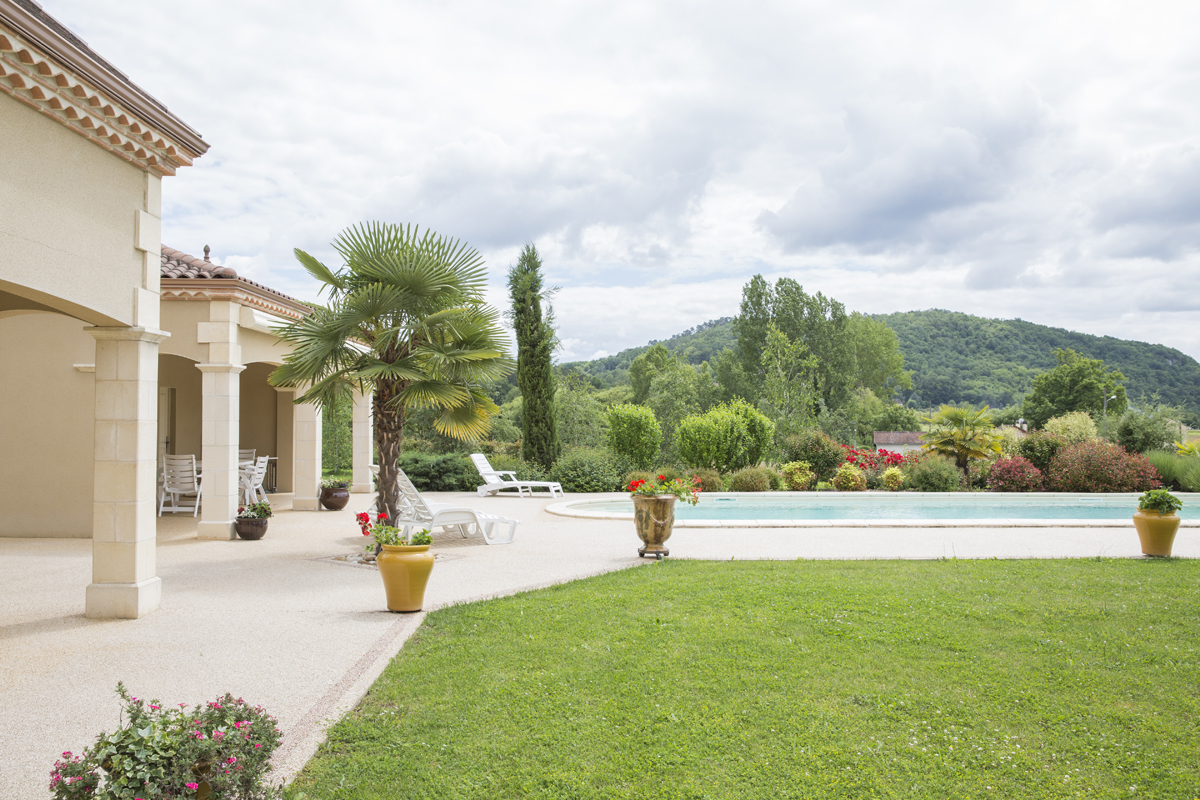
x: 1017, y: 159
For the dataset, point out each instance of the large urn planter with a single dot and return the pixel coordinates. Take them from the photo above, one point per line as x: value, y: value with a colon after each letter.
x: 1156, y: 531
x: 335, y: 499
x: 251, y: 528
x: 405, y: 571
x: 654, y: 517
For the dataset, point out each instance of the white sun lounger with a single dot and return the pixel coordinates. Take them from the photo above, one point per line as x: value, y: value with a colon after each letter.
x: 420, y: 514
x: 495, y: 481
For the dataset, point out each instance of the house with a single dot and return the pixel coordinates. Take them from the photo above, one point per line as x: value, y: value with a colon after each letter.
x: 898, y: 441
x: 113, y: 348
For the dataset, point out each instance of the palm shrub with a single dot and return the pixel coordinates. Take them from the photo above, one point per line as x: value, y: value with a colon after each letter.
x: 1015, y: 474
x: 750, y: 479
x: 1073, y: 427
x: 406, y: 321
x: 1040, y: 447
x: 961, y: 434
x: 588, y: 469
x: 932, y: 474
x: 634, y: 433
x: 817, y: 449
x: 798, y: 476
x: 1099, y: 466
x: 849, y: 478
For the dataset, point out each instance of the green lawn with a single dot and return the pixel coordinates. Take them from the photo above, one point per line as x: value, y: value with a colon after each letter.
x: 829, y: 679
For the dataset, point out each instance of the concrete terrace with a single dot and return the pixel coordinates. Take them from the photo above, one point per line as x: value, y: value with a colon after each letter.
x: 282, y: 623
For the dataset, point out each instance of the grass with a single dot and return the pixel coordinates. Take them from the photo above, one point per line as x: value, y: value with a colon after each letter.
x: 883, y: 679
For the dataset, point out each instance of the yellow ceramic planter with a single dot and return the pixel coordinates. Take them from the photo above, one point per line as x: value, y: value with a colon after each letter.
x: 405, y: 571
x: 1157, y: 531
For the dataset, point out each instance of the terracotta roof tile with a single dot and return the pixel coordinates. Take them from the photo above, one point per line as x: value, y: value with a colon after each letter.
x: 179, y: 265
x: 897, y: 437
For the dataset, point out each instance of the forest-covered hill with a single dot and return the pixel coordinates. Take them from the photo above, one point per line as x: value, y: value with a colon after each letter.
x: 963, y: 358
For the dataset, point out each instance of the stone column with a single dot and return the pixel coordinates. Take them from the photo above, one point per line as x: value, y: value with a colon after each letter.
x: 307, y: 477
x: 124, y: 584
x: 220, y: 423
x: 363, y: 442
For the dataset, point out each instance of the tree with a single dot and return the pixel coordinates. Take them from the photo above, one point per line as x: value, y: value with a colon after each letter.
x: 787, y: 394
x: 535, y: 344
x: 879, y: 364
x: 580, y: 417
x: 672, y: 397
x: 633, y: 432
x: 962, y: 434
x: 645, y: 367
x: 405, y: 321
x: 1076, y: 384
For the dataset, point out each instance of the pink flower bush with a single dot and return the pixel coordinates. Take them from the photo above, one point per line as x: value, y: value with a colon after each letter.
x: 1015, y: 474
x: 1100, y: 466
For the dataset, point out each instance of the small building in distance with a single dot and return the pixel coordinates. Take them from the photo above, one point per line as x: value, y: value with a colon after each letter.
x: 898, y: 441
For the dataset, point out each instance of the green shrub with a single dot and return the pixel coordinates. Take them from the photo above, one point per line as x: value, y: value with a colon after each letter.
x: 525, y: 470
x: 588, y: 469
x: 893, y: 479
x: 1099, y: 466
x: 710, y: 480
x: 724, y: 438
x: 1072, y: 428
x: 1015, y: 474
x: 775, y: 479
x: 817, y: 449
x: 634, y: 433
x: 1009, y: 440
x: 932, y: 474
x: 1040, y: 448
x: 750, y: 479
x: 1181, y: 473
x: 669, y: 473
x: 798, y: 476
x: 448, y: 472
x: 637, y: 475
x: 1153, y: 430
x: 849, y: 478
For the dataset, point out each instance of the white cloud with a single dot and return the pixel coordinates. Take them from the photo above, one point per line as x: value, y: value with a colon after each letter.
x: 1018, y: 159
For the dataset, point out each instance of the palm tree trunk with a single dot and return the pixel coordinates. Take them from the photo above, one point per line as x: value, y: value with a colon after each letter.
x: 389, y: 434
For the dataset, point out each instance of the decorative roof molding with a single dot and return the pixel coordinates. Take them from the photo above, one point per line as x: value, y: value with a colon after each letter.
x: 45, y: 66
x: 185, y: 277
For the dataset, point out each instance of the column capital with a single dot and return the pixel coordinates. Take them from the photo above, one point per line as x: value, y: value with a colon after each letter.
x: 124, y: 333
x: 230, y: 368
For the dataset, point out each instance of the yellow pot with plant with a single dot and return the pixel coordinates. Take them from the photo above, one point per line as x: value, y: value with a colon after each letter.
x: 1157, y: 522
x: 404, y: 562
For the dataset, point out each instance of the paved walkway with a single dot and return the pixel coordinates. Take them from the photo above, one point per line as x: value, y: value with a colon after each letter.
x: 281, y: 623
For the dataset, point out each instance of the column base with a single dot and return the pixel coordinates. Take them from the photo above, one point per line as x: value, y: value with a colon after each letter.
x: 123, y: 600
x: 306, y: 504
x: 362, y: 488
x: 220, y: 530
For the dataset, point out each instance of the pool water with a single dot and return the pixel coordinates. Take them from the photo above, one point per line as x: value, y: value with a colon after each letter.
x: 898, y: 506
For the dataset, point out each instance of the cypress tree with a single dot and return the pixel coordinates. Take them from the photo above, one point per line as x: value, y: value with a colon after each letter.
x: 535, y: 344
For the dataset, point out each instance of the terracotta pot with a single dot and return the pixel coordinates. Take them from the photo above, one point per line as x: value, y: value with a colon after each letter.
x: 1157, y: 531
x: 405, y: 571
x: 335, y: 499
x: 251, y: 528
x: 654, y: 517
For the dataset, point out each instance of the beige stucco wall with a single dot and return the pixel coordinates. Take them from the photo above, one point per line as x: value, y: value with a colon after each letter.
x: 68, y: 220
x: 257, y: 413
x: 48, y: 431
x: 181, y: 375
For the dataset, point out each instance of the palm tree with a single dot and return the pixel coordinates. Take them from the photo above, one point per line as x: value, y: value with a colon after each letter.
x: 962, y: 434
x: 406, y: 322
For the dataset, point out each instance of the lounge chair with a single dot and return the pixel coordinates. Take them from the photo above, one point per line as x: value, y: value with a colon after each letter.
x: 420, y: 514
x: 495, y: 481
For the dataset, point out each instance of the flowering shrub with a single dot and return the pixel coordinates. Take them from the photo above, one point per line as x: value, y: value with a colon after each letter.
x: 688, y: 493
x: 874, y: 462
x: 798, y: 476
x: 259, y: 510
x: 1015, y: 474
x: 1099, y: 466
x: 892, y: 479
x: 220, y: 749
x: 849, y: 478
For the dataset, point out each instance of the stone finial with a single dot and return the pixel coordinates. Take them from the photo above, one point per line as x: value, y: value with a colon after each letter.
x: 206, y: 251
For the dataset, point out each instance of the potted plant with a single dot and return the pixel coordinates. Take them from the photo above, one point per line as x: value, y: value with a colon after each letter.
x: 335, y: 493
x: 404, y: 561
x: 654, y: 510
x: 1156, y: 521
x: 251, y: 520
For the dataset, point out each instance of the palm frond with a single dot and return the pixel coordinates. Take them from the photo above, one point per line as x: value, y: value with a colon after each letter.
x: 318, y: 270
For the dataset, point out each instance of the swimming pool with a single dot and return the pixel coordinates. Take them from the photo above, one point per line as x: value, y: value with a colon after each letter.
x: 890, y: 509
